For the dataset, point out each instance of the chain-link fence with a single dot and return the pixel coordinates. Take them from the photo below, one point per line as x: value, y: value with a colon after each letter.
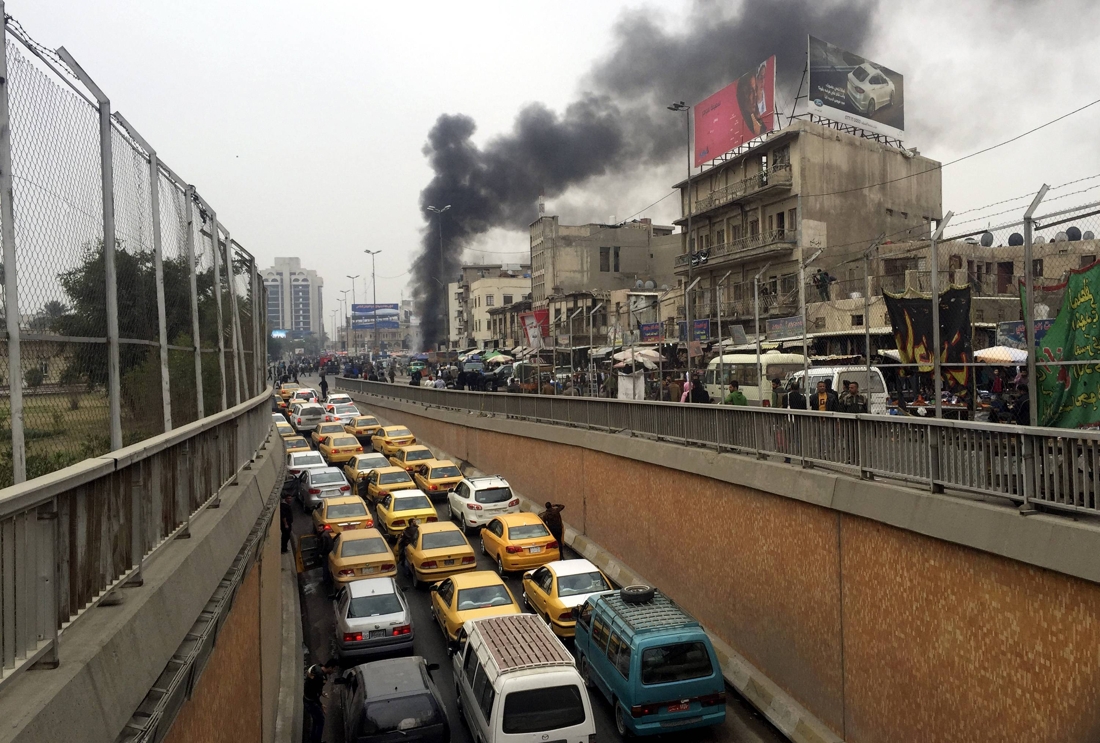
x: 106, y: 348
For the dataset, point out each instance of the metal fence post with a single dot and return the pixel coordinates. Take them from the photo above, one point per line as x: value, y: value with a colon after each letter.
x: 1029, y: 304
x: 218, y: 301
x: 258, y: 362
x: 937, y: 368
x: 193, y: 272
x: 107, y: 181
x: 11, y: 274
x: 234, y: 323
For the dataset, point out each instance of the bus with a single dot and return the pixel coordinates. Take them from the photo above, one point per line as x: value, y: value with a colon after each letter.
x: 742, y: 367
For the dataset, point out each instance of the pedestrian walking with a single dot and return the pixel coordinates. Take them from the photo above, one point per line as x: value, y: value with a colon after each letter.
x: 675, y: 390
x: 409, y: 536
x: 324, y: 387
x: 779, y: 397
x: 286, y: 520
x: 392, y: 372
x: 735, y: 396
x: 552, y: 518
x: 313, y: 696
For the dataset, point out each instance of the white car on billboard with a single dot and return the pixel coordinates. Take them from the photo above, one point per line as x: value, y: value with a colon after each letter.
x: 869, y: 89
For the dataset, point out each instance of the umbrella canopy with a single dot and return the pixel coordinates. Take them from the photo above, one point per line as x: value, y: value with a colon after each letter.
x: 500, y: 358
x: 644, y: 362
x: 641, y: 354
x: 1001, y: 355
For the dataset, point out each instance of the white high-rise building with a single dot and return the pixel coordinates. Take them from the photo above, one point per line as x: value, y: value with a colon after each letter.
x: 294, y: 297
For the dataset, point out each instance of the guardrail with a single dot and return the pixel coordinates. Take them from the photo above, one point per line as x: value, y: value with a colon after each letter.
x: 69, y: 539
x: 1056, y: 469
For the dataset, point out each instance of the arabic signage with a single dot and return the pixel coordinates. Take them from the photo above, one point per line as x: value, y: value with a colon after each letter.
x: 911, y: 318
x: 741, y: 111
x: 651, y: 332
x: 784, y: 327
x: 381, y: 310
x: 701, y: 329
x: 853, y: 90
x: 360, y: 323
x: 1069, y: 396
x: 1011, y: 333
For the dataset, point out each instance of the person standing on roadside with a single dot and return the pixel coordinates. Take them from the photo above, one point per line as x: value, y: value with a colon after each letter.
x: 735, y: 396
x: 824, y: 400
x: 286, y: 520
x: 324, y: 387
x: 552, y: 518
x: 313, y: 694
x: 852, y: 401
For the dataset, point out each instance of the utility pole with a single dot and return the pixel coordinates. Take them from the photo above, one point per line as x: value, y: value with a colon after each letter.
x: 353, y: 278
x: 1029, y: 307
x: 688, y: 324
x: 374, y: 299
x: 937, y: 364
x: 802, y: 264
x: 756, y: 310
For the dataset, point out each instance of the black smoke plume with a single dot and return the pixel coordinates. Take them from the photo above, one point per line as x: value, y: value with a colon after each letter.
x: 620, y: 122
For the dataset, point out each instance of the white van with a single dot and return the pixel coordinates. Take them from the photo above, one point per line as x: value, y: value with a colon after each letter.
x: 742, y: 367
x: 517, y: 683
x: 837, y: 376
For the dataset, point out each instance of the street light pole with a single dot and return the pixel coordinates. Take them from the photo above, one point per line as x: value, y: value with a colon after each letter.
x: 688, y: 325
x: 374, y: 299
x: 347, y: 320
x: 937, y: 366
x: 802, y: 264
x: 718, y: 298
x: 353, y: 278
x: 756, y: 311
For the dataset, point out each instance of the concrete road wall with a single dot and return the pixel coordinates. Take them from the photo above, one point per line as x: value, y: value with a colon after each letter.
x: 890, y: 614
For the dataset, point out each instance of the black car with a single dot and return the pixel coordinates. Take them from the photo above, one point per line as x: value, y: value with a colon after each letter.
x: 392, y: 700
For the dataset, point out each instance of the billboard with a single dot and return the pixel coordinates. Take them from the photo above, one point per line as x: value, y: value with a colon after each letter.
x: 784, y: 327
x: 536, y: 325
x: 700, y: 328
x: 374, y: 310
x: 368, y: 323
x: 852, y: 90
x: 278, y: 333
x: 1011, y: 333
x: 650, y: 331
x: 741, y: 111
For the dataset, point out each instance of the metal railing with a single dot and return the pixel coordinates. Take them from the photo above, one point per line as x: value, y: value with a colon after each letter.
x: 779, y: 176
x: 1056, y: 469
x: 784, y: 237
x: 70, y: 539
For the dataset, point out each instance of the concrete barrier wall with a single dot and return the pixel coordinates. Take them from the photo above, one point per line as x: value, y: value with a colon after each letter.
x: 882, y: 633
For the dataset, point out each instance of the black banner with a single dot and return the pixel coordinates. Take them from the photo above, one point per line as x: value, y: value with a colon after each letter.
x: 911, y: 317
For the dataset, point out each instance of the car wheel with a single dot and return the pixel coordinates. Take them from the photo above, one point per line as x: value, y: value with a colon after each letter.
x: 583, y: 663
x: 870, y: 108
x: 620, y: 721
x: 500, y: 567
x: 636, y: 594
x: 483, y: 550
x: 527, y: 604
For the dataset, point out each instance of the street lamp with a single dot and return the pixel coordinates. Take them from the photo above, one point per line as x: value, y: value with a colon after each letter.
x: 681, y: 107
x: 718, y: 299
x: 374, y: 300
x: 756, y: 311
x: 802, y: 301
x: 347, y: 320
x: 353, y: 278
x: 591, y: 360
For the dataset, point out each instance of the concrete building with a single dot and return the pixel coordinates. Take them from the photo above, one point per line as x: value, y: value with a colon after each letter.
x: 803, y: 188
x: 294, y: 297
x: 598, y: 257
x: 509, y: 287
x: 505, y: 325
x: 489, y: 292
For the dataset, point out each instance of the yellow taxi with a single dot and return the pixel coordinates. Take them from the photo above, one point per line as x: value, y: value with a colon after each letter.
x: 395, y: 510
x: 295, y: 444
x: 325, y: 429
x: 385, y: 480
x: 437, y: 476
x: 555, y: 589
x: 285, y: 429
x: 519, y: 541
x: 473, y: 595
x: 285, y: 392
x: 362, y: 426
x: 390, y: 438
x: 439, y: 552
x: 406, y: 457
x: 359, y: 466
x: 361, y: 553
x: 338, y: 448
x: 337, y: 515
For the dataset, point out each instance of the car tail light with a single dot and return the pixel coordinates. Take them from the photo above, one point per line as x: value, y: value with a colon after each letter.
x: 408, y: 469
x: 326, y: 527
x: 399, y: 522
x: 314, y: 491
x: 566, y: 616
x: 473, y: 507
x: 432, y: 519
x: 295, y: 472
x: 552, y: 546
x: 345, y: 488
x: 512, y: 549
x: 352, y: 636
x: 328, y: 419
x: 860, y: 90
x: 382, y: 493
x: 404, y: 629
x: 469, y: 560
x: 387, y: 566
x: 429, y: 565
x: 368, y: 523
x: 713, y: 700
x: 513, y: 502
x: 639, y: 710
x: 358, y: 449
x: 434, y: 487
x: 299, y: 421
x: 346, y: 573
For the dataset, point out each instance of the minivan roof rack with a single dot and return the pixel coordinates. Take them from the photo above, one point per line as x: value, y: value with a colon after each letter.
x: 660, y: 613
x: 520, y: 641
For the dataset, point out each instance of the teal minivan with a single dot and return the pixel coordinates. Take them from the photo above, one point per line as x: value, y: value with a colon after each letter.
x: 651, y: 660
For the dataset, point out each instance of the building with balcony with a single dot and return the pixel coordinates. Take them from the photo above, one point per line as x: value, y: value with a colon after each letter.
x: 505, y: 325
x: 501, y: 284
x: 802, y: 188
x: 294, y: 297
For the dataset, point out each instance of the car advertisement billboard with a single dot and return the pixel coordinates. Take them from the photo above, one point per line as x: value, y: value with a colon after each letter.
x: 741, y: 111
x: 374, y: 310
x: 850, y: 89
x: 368, y: 323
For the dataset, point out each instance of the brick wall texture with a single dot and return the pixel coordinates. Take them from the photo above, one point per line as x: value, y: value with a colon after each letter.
x: 883, y: 634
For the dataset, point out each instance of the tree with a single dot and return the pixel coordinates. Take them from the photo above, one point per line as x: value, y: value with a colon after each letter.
x: 34, y: 377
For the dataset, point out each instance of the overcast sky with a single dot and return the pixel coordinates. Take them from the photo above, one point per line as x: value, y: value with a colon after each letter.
x: 303, y: 123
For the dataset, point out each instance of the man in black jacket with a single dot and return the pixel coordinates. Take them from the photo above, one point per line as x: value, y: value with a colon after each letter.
x: 824, y: 400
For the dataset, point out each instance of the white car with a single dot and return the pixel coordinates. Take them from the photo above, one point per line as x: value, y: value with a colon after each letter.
x: 478, y: 500
x: 300, y: 461
x: 344, y: 413
x: 304, y: 395
x: 306, y: 416
x: 869, y: 89
x: 337, y: 398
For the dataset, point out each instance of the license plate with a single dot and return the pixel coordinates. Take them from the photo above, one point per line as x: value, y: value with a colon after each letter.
x: 680, y: 707
x: 448, y: 562
x: 534, y: 550
x: 366, y: 571
x: 377, y: 633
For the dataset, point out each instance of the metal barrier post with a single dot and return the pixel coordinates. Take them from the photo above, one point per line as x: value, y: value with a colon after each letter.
x: 218, y: 302
x: 259, y: 361
x: 235, y: 322
x: 107, y: 181
x: 11, y: 273
x: 1029, y: 304
x: 190, y: 198
x: 937, y: 367
x: 934, y: 459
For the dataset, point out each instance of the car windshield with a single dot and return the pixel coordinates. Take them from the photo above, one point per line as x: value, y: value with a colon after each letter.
x: 440, y: 539
x: 418, y: 455
x: 373, y: 606
x: 330, y: 428
x: 536, y: 710
x: 366, y: 421
x: 411, y: 504
x: 860, y: 73
x: 326, y: 478
x: 372, y: 463
x: 527, y: 531
x: 346, y: 409
x: 493, y: 495
x: 574, y: 585
x: 344, y: 510
x: 392, y: 478
x: 451, y: 471
x: 679, y: 662
x: 483, y: 597
x: 360, y: 547
x: 400, y: 714
x: 399, y: 433
x: 307, y: 459
x: 344, y: 441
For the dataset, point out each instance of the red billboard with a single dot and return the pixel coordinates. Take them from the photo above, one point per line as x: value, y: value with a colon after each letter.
x: 741, y: 111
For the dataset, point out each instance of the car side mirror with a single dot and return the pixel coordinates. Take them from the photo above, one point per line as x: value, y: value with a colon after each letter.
x: 452, y: 647
x: 576, y: 612
x: 434, y: 588
x: 434, y: 666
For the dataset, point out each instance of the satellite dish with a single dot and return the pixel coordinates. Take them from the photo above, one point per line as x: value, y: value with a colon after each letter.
x: 970, y: 241
x: 1088, y: 235
x: 987, y: 239
x: 650, y: 285
x: 1073, y: 233
x: 1061, y: 237
x: 1015, y: 239
x: 638, y: 284
x: 664, y: 287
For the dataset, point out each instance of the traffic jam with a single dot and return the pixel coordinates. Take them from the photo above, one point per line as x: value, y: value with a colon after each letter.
x: 435, y: 609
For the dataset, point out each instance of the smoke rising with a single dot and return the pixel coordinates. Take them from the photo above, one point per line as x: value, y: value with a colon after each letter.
x: 617, y: 125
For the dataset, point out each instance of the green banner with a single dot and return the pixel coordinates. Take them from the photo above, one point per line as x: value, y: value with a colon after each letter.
x: 1069, y: 396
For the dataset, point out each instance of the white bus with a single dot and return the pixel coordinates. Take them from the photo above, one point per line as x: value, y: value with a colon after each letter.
x: 742, y: 367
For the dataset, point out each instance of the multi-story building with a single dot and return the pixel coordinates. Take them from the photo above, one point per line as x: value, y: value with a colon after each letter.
x: 505, y: 324
x: 489, y: 292
x: 294, y: 300
x: 500, y: 284
x: 804, y: 188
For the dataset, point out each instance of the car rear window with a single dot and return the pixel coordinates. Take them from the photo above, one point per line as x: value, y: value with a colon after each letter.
x: 418, y: 455
x: 392, y: 478
x: 681, y: 661
x: 344, y: 510
x: 573, y: 585
x: 446, y: 472
x: 537, y: 710
x: 372, y: 463
x: 345, y: 441
x: 360, y: 547
x: 399, y: 433
x: 307, y: 459
x: 345, y: 408
x: 297, y: 441
x: 860, y: 74
x: 527, y: 531
x: 330, y: 428
x: 401, y: 714
x: 441, y: 539
x: 366, y: 421
x: 483, y: 597
x: 326, y: 478
x: 411, y: 504
x: 373, y: 606
x: 493, y: 495
x: 311, y: 410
